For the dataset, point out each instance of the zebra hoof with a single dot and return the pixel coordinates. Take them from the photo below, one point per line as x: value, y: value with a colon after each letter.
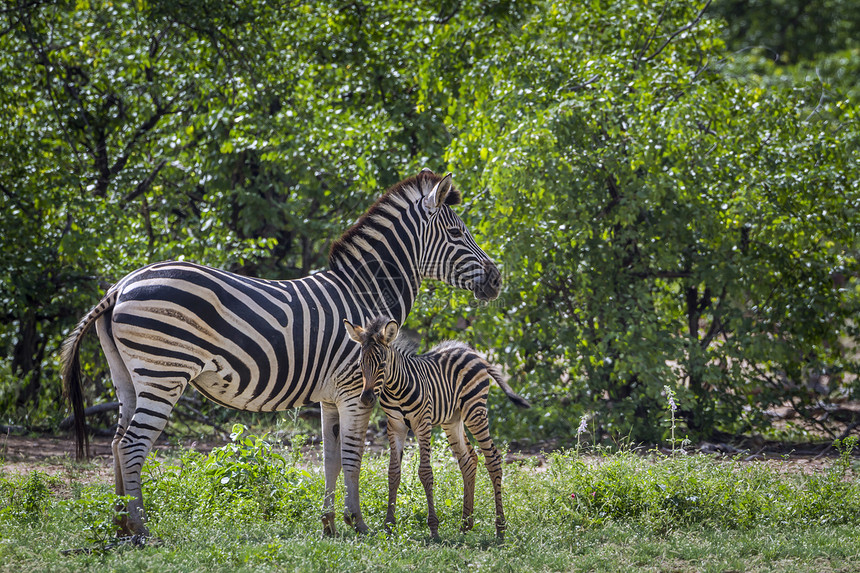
x: 355, y: 522
x: 500, y: 531
x: 329, y: 529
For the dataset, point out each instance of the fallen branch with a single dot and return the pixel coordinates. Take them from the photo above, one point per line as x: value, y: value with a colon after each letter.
x: 12, y: 429
x: 67, y: 423
x: 196, y: 415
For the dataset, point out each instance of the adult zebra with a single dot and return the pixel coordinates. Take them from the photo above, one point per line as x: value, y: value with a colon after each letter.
x: 263, y: 345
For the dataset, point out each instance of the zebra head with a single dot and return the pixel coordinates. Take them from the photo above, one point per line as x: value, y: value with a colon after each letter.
x: 375, y: 354
x: 449, y: 253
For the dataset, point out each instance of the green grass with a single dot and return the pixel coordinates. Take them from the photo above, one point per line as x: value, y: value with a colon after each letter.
x: 246, y: 507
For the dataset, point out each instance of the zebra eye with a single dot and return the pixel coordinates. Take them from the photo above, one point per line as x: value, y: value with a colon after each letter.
x: 455, y: 232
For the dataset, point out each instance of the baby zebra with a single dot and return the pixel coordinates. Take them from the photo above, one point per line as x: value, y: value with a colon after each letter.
x: 446, y: 387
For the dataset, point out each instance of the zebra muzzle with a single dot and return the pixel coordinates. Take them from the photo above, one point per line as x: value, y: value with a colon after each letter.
x: 367, y: 397
x: 491, y: 285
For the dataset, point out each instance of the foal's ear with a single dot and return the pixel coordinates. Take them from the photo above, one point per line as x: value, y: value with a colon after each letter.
x: 389, y: 333
x: 437, y: 197
x: 355, y: 332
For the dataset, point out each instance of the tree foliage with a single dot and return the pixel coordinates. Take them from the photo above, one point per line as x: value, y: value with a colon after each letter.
x: 663, y: 220
x: 669, y: 206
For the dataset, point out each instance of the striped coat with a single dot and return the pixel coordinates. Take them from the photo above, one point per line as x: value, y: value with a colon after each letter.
x: 263, y: 345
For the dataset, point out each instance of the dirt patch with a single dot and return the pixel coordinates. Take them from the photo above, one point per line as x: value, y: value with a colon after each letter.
x: 18, y: 449
x: 55, y: 455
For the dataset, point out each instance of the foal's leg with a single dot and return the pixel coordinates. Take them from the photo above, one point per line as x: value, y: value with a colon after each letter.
x: 478, y: 424
x: 467, y: 459
x: 397, y: 431
x: 425, y: 471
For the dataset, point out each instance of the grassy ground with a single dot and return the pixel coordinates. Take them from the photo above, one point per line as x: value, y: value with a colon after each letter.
x: 247, y: 507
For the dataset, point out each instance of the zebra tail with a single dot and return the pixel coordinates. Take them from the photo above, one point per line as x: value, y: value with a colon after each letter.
x: 71, y: 372
x: 501, y: 380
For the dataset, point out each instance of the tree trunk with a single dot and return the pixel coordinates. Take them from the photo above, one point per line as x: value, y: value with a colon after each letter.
x: 27, y: 359
x: 699, y: 418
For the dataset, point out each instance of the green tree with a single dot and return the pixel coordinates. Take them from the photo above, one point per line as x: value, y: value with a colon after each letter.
x: 96, y: 100
x: 662, y: 221
x: 239, y: 135
x: 790, y: 32
x: 667, y: 209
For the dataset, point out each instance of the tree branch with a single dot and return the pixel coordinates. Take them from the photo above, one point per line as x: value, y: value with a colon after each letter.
x: 440, y: 19
x: 66, y: 423
x: 196, y: 415
x: 142, y: 129
x: 680, y: 30
x: 662, y: 275
x: 650, y: 36
x: 144, y: 185
x: 584, y: 84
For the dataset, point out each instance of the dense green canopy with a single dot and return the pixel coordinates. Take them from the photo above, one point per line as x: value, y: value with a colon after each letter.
x: 671, y: 189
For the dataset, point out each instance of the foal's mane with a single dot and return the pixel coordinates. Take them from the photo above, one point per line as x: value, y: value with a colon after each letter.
x: 407, y: 341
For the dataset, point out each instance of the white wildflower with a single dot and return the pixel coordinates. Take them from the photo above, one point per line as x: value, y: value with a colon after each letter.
x: 583, y: 425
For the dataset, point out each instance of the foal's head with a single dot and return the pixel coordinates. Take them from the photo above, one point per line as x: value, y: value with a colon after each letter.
x: 375, y: 340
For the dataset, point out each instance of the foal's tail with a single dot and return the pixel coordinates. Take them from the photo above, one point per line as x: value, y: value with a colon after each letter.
x: 502, y: 381
x: 72, y: 371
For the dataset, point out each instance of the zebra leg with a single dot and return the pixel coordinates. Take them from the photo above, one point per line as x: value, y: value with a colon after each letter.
x: 332, y: 462
x: 127, y: 400
x: 479, y: 425
x: 397, y: 431
x: 425, y: 473
x: 468, y: 462
x: 354, y: 418
x: 155, y: 401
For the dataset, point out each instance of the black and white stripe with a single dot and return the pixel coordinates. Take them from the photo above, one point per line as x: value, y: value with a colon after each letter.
x: 263, y: 345
x: 448, y: 387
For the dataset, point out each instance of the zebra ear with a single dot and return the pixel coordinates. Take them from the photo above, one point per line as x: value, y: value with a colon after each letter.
x: 436, y: 197
x: 390, y: 332
x: 355, y: 332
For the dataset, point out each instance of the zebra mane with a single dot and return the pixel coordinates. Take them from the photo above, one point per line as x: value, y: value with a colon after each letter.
x: 494, y: 370
x: 392, y: 201
x: 376, y: 325
x: 407, y: 342
x: 446, y: 345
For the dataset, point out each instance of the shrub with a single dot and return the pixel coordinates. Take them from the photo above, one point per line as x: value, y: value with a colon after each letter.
x: 664, y: 493
x: 243, y: 481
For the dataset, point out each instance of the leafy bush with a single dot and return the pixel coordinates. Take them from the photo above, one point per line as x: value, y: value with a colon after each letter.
x: 26, y: 498
x: 243, y: 481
